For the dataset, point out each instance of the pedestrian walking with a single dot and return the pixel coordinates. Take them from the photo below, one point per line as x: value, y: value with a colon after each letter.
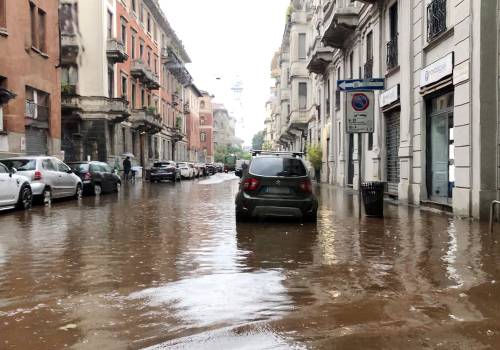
x: 127, y: 166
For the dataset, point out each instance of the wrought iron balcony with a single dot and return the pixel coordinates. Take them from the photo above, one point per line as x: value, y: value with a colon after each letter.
x: 368, y: 69
x: 436, y: 19
x: 146, y: 120
x: 140, y: 71
x: 340, y: 22
x: 116, y: 51
x: 177, y: 68
x: 392, y: 53
x: 70, y: 48
x: 187, y: 108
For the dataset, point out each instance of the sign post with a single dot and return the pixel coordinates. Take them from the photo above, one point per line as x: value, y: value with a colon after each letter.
x: 360, y: 114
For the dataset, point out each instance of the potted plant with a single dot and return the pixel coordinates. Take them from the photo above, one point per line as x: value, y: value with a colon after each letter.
x: 315, y: 156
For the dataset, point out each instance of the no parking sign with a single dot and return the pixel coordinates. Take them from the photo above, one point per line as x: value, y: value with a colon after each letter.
x: 360, y: 112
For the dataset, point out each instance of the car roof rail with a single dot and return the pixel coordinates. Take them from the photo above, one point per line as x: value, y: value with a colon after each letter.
x: 276, y: 153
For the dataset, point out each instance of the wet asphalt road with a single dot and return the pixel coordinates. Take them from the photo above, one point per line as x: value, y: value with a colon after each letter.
x: 165, y: 267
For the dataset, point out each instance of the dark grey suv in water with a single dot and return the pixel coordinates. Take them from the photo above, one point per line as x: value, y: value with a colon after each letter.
x: 276, y: 185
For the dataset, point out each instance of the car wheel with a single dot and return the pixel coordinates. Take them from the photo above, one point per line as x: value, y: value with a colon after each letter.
x: 241, y: 217
x: 313, y: 217
x: 25, y: 200
x: 47, y: 196
x: 78, y: 191
x: 97, y: 189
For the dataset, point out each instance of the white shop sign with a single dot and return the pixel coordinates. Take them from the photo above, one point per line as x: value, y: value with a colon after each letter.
x: 390, y: 96
x: 437, y: 70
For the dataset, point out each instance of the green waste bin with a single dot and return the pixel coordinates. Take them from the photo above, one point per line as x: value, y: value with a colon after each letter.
x: 373, y: 198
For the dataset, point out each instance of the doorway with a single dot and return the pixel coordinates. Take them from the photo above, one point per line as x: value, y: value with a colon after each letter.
x: 440, y: 149
x: 392, y: 139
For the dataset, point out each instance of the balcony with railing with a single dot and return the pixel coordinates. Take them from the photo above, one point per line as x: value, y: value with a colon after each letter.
x: 70, y: 48
x: 177, y: 68
x: 113, y: 109
x: 319, y: 57
x: 392, y: 53
x: 368, y: 69
x: 187, y: 108
x: 146, y: 120
x: 299, y: 120
x: 436, y: 19
x: 141, y: 71
x: 116, y: 52
x: 341, y: 17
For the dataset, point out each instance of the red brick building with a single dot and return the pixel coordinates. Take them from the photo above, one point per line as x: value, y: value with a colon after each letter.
x: 207, y: 126
x: 30, y: 90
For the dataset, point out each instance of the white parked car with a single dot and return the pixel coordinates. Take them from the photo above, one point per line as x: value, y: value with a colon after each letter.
x: 49, y: 177
x: 187, y: 170
x: 15, y: 190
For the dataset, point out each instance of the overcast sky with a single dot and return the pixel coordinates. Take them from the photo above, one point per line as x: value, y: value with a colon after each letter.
x: 233, y: 40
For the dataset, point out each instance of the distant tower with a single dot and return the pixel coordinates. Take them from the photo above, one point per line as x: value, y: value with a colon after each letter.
x: 237, y: 89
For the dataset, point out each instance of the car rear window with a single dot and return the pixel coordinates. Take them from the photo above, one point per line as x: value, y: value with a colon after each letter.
x: 276, y: 166
x: 20, y: 164
x: 161, y: 165
x: 79, y: 167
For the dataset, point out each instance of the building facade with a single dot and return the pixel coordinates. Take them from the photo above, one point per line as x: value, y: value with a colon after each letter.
x: 30, y: 89
x: 124, y: 82
x: 207, y: 128
x: 436, y: 123
x: 224, y: 127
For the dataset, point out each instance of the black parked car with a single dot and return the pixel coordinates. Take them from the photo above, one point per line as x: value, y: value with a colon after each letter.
x: 211, y: 169
x: 164, y: 171
x: 97, y: 177
x: 276, y: 185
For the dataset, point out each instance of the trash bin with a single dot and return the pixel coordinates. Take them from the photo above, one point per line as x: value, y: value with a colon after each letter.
x: 373, y: 198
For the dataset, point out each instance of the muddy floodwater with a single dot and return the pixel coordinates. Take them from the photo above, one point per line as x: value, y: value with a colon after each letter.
x: 166, y: 267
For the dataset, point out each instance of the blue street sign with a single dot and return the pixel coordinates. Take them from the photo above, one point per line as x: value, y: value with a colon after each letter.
x: 361, y: 84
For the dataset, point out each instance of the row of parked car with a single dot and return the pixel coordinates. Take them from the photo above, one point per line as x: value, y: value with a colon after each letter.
x: 24, y: 180
x: 174, y: 172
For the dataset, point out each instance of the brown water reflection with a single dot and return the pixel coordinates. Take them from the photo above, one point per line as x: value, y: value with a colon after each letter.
x: 166, y: 267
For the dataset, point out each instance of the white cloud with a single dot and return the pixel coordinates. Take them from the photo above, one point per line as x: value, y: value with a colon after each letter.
x: 231, y: 40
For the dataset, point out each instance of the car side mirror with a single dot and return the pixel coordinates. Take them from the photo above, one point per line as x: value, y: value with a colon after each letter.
x: 12, y: 171
x: 69, y: 171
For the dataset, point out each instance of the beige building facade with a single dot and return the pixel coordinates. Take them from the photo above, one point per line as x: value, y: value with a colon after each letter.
x: 436, y: 122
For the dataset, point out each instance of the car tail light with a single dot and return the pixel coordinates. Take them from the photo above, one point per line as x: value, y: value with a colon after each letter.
x: 306, y: 186
x: 87, y: 176
x: 251, y: 184
x: 37, y: 176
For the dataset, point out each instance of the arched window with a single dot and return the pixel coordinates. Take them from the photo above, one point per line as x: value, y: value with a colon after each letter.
x: 203, y: 137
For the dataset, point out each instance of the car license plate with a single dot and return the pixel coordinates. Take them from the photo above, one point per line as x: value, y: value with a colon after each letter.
x: 277, y: 190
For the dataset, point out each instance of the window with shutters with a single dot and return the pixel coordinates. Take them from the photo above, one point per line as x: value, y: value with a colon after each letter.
x: 302, y: 46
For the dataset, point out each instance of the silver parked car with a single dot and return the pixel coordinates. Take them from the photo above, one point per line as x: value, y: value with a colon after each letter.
x: 49, y: 177
x: 15, y: 190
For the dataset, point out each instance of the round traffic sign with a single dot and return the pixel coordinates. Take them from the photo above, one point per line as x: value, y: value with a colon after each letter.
x: 360, y: 102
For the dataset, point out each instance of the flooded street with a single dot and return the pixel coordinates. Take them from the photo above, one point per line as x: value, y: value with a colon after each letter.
x: 165, y: 267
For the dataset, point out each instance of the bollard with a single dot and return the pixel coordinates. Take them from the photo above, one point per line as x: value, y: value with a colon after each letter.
x: 492, y: 208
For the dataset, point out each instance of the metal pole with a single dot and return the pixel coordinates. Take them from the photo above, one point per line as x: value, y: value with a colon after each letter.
x: 360, y: 143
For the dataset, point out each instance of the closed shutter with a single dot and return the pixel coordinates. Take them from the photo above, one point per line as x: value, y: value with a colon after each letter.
x: 36, y: 141
x: 392, y: 131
